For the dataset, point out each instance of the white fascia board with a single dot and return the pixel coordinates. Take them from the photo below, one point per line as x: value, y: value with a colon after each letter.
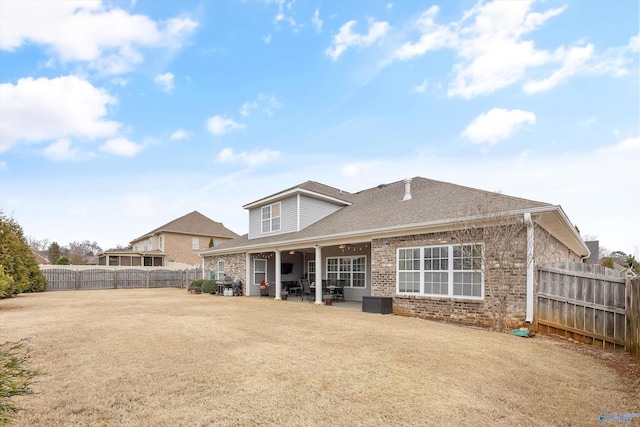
x: 294, y: 191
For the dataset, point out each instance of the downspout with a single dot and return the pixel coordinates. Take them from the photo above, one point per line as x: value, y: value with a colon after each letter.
x: 530, y: 267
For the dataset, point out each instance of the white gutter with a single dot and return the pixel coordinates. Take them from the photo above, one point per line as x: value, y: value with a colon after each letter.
x: 530, y: 267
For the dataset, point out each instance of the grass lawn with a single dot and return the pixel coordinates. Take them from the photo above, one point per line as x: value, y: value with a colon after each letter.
x: 163, y: 357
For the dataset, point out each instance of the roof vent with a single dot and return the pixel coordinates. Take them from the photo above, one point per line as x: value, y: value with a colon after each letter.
x: 407, y: 189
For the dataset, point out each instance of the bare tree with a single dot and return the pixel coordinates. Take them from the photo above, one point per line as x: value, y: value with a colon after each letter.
x: 497, y: 238
x: 38, y: 245
x: 80, y: 252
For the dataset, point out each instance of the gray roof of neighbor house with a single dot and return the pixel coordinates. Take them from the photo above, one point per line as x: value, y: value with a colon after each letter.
x: 193, y: 223
x: 381, y: 211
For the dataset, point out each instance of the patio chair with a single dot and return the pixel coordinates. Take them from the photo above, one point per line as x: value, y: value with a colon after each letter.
x: 296, y: 289
x: 338, y: 292
x: 306, y: 289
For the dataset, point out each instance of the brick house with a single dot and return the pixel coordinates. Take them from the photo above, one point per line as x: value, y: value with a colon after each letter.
x: 432, y: 246
x: 176, y: 242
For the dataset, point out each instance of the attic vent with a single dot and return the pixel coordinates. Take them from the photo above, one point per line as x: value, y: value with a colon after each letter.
x: 407, y: 189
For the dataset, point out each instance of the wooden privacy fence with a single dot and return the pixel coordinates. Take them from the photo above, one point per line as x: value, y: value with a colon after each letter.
x: 59, y: 279
x: 633, y: 316
x: 585, y: 302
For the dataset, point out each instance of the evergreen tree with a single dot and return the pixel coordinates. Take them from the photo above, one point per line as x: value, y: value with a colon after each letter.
x: 63, y: 260
x: 17, y: 260
x: 54, y: 252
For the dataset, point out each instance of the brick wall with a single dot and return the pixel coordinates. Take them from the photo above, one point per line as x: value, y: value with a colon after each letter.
x: 235, y: 265
x: 178, y: 248
x: 511, y: 266
x: 549, y: 249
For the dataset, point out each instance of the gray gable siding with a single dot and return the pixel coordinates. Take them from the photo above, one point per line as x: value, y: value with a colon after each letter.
x: 312, y: 210
x: 288, y: 219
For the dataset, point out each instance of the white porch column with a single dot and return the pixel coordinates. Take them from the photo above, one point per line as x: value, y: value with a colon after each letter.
x: 248, y: 278
x: 318, y: 275
x: 278, y: 275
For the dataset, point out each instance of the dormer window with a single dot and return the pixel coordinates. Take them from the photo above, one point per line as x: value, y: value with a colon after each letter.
x: 271, y: 218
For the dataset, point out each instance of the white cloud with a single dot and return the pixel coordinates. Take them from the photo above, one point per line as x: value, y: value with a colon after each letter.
x: 573, y: 61
x: 109, y: 39
x: 634, y: 43
x: 121, y: 81
x: 121, y: 146
x: 247, y: 108
x: 493, y: 52
x: 316, y: 21
x: 389, y: 5
x: 218, y: 125
x: 61, y: 151
x: 253, y: 158
x: 433, y: 36
x: 3, y: 165
x: 346, y: 38
x: 422, y: 87
x: 267, y: 39
x: 165, y: 81
x: 269, y: 103
x: 628, y: 145
x: 35, y: 110
x: 491, y: 45
x: 179, y: 135
x: 496, y: 124
x: 282, y: 15
x: 264, y: 102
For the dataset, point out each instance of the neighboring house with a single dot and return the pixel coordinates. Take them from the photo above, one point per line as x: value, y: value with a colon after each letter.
x: 398, y: 240
x: 178, y: 241
x: 40, y: 259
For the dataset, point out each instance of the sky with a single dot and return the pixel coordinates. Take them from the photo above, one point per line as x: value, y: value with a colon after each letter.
x: 117, y: 117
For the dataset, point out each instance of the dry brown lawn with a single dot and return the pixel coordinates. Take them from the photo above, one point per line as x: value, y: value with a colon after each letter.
x: 168, y: 358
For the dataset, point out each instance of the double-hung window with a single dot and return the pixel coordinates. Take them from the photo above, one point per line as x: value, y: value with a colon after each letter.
x: 271, y: 218
x: 259, y: 271
x: 220, y: 270
x: 448, y: 270
x: 350, y: 269
x: 311, y: 269
x: 195, y: 243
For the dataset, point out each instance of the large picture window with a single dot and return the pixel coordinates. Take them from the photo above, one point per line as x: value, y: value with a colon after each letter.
x: 271, y: 218
x: 352, y: 270
x: 450, y: 271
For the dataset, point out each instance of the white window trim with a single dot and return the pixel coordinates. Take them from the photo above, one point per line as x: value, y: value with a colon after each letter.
x: 266, y: 270
x: 271, y: 218
x: 195, y: 243
x: 449, y: 270
x: 352, y: 257
x: 309, y: 272
x: 220, y: 271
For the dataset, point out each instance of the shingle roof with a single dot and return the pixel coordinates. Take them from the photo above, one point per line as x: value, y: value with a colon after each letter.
x: 382, y: 207
x: 308, y: 186
x: 193, y: 223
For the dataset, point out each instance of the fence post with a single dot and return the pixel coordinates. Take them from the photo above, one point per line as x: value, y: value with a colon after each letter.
x: 115, y: 279
x: 632, y: 308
